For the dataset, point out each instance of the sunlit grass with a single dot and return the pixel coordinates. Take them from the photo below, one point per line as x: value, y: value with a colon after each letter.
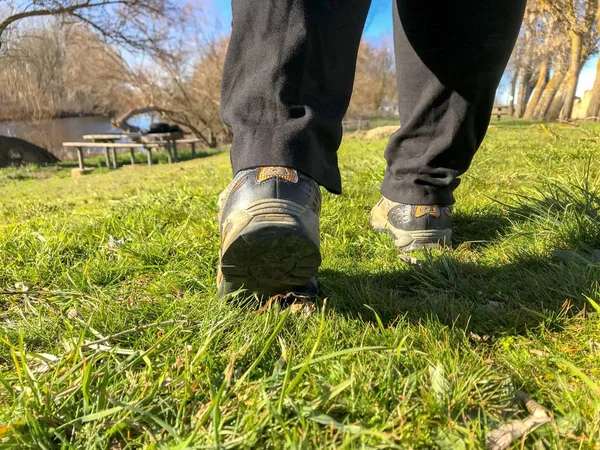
x: 112, y: 336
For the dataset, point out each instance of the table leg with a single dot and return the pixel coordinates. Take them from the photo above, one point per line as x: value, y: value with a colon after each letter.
x: 80, y: 157
x: 175, y: 155
x: 107, y: 157
x: 114, y: 157
x: 132, y: 155
x: 149, y: 151
x: 193, y: 149
x: 169, y: 152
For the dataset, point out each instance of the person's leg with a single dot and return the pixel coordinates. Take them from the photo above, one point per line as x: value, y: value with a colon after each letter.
x: 451, y: 55
x: 287, y: 83
x: 286, y: 87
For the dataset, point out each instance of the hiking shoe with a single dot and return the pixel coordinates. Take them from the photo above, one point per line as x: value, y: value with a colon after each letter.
x: 413, y: 227
x: 269, y: 226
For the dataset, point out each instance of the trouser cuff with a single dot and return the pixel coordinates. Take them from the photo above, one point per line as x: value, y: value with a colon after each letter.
x: 304, y: 152
x: 410, y: 193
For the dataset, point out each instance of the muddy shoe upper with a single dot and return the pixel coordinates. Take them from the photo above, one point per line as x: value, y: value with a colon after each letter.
x: 267, y: 183
x: 269, y: 225
x: 414, y: 226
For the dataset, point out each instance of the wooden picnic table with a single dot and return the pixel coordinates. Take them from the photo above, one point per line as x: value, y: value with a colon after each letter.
x: 111, y: 142
x: 110, y: 139
x: 111, y: 136
x: 169, y: 139
x: 113, y: 146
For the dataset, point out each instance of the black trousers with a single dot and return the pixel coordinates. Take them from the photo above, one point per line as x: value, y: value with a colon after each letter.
x: 290, y: 69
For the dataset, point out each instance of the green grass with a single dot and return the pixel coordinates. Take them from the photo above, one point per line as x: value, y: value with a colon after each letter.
x: 115, y: 337
x: 375, y: 122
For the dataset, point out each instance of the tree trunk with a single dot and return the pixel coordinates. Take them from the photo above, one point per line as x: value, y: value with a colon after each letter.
x: 557, y: 104
x: 572, y: 78
x: 538, y: 90
x: 548, y: 95
x: 513, y: 92
x: 212, y: 142
x: 527, y: 94
x: 524, y: 76
x: 594, y: 106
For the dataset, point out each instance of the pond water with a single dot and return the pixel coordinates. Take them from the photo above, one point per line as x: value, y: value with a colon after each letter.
x: 52, y: 133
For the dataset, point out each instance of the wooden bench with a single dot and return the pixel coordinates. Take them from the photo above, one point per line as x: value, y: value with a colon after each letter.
x: 501, y: 111
x: 356, y: 124
x: 192, y: 142
x: 147, y: 146
x: 114, y: 146
x: 166, y: 140
x: 170, y: 144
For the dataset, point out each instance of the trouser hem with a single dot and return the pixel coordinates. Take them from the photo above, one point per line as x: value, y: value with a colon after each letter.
x: 254, y: 148
x: 401, y: 191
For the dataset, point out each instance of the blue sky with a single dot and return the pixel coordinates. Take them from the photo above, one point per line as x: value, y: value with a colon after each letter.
x: 378, y: 28
x: 379, y: 23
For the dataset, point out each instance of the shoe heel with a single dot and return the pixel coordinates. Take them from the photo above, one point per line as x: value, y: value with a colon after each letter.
x: 271, y: 247
x: 418, y: 240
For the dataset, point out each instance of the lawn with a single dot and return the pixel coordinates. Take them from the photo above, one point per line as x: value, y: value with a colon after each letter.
x: 112, y: 335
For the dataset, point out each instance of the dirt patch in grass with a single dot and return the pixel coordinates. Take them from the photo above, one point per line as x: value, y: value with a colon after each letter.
x: 378, y: 133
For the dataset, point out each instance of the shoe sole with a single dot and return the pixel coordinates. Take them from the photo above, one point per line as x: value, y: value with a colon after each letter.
x: 408, y: 241
x: 270, y: 248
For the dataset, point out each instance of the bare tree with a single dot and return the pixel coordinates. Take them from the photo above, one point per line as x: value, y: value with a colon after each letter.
x: 557, y: 38
x: 72, y: 64
x: 579, y: 17
x: 543, y: 77
x: 59, y: 71
x: 594, y: 106
x: 375, y: 81
x: 524, y: 61
x: 554, y: 62
x: 34, y: 47
x: 181, y: 80
x: 540, y: 51
x: 124, y: 21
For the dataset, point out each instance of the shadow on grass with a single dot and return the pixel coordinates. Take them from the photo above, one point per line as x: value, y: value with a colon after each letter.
x: 510, y: 293
x: 480, y: 298
x: 515, y: 283
x: 480, y: 229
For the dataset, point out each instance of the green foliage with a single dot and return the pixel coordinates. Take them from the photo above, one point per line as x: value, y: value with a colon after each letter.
x: 111, y: 334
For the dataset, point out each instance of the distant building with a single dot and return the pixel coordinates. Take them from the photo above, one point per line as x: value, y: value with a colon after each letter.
x: 581, y: 106
x: 389, y: 109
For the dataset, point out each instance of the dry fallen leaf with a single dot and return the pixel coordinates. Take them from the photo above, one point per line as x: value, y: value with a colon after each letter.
x: 298, y: 304
x: 74, y: 313
x: 410, y: 259
x: 305, y: 308
x: 503, y: 436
